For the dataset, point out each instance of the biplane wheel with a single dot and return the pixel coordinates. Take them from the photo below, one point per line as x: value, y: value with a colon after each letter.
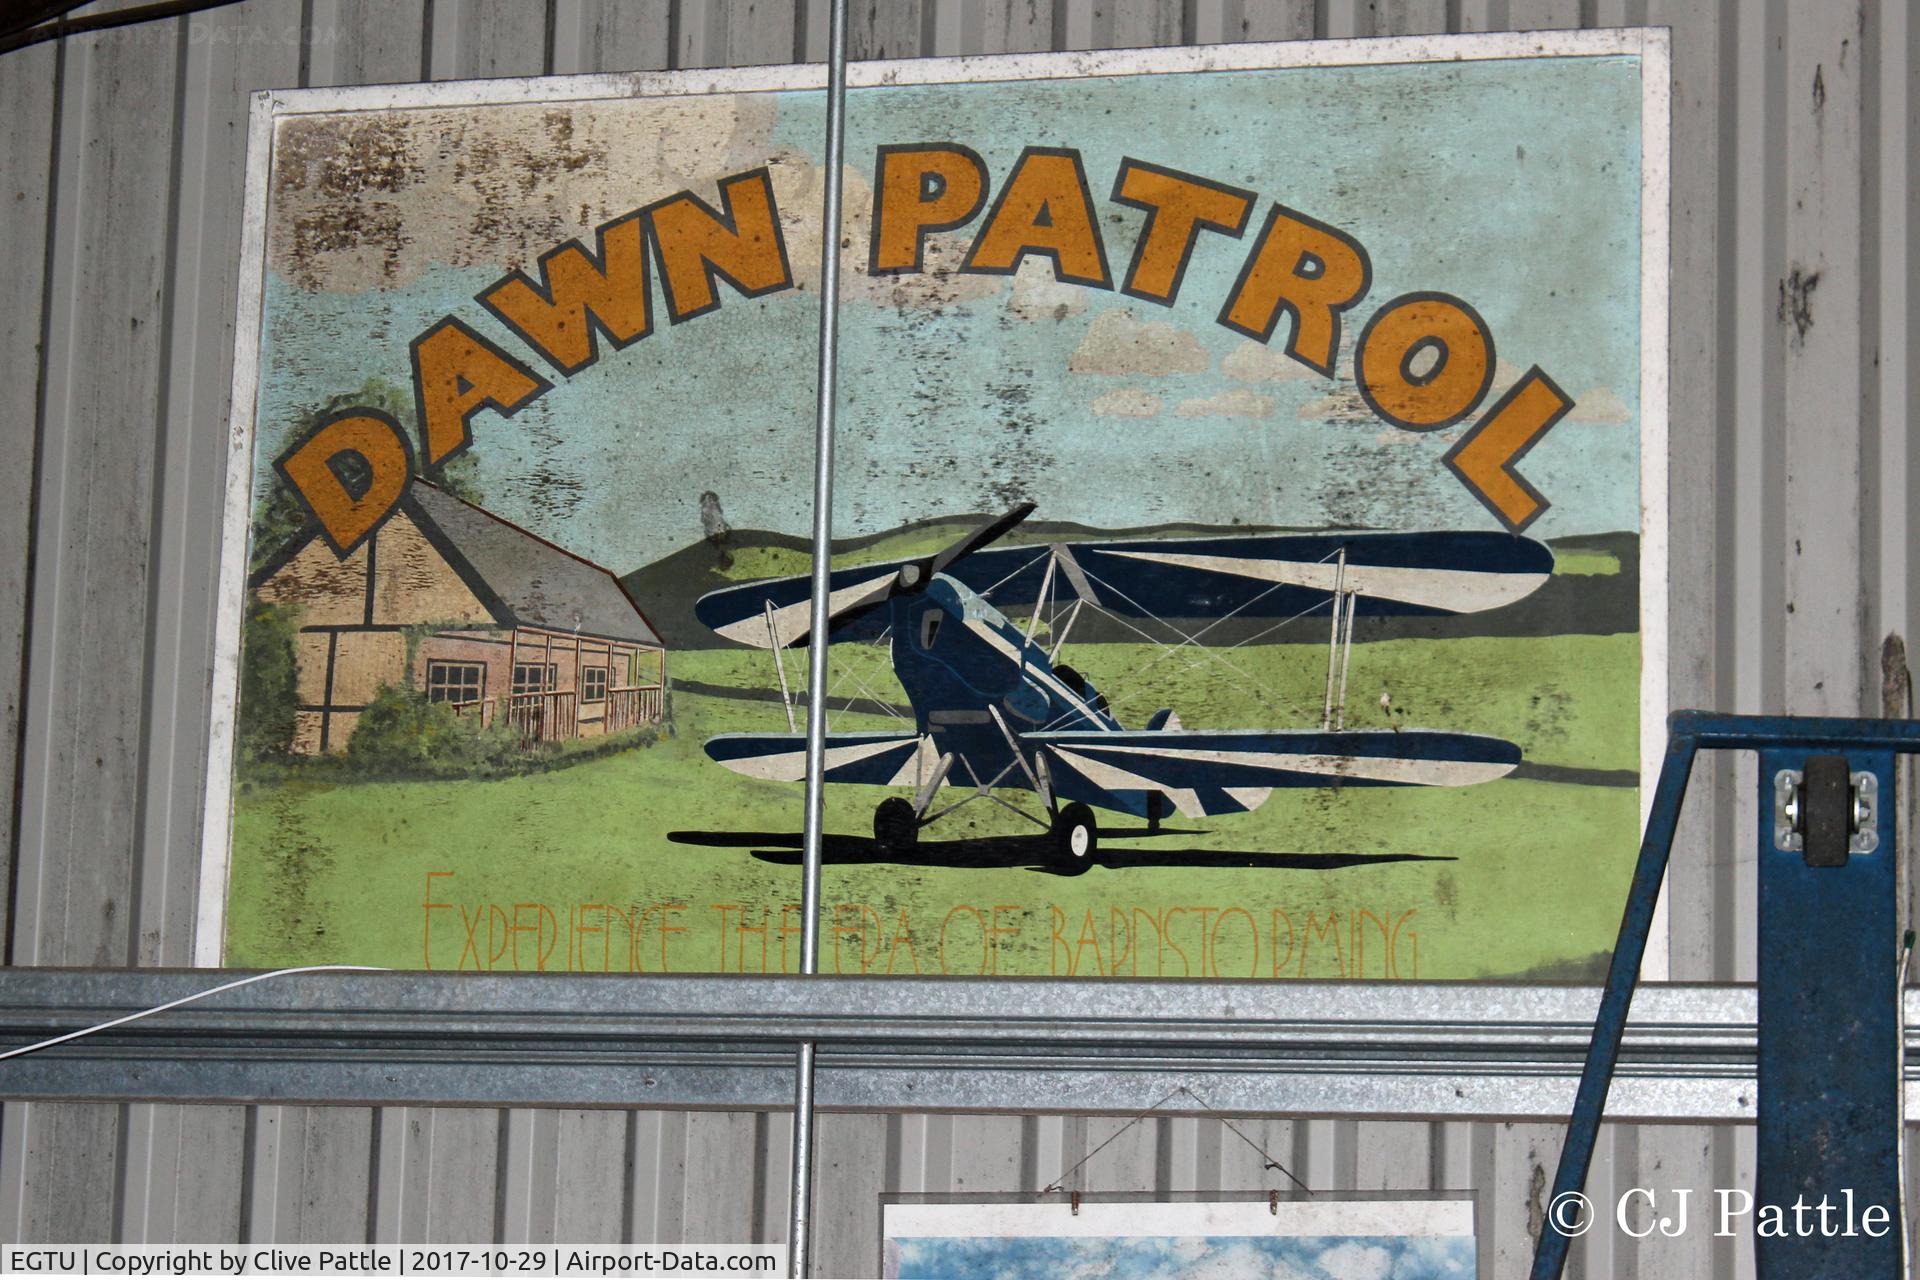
x: 895, y: 825
x: 1075, y: 836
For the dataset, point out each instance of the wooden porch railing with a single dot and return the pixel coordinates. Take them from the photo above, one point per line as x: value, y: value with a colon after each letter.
x: 549, y: 716
x: 484, y: 707
x: 635, y: 705
x: 553, y: 715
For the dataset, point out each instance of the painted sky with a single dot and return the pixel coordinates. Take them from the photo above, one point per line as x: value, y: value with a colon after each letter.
x: 1157, y: 1258
x: 1513, y: 184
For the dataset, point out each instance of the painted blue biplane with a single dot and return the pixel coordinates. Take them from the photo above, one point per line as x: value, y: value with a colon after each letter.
x: 992, y: 710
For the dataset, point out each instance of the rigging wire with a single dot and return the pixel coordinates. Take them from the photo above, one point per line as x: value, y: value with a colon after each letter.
x: 1119, y: 695
x: 1253, y: 685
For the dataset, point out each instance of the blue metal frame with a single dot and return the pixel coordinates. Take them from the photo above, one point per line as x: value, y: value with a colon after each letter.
x: 1829, y: 994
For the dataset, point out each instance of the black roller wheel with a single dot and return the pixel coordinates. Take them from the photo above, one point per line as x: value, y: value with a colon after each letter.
x: 895, y: 826
x: 1075, y: 837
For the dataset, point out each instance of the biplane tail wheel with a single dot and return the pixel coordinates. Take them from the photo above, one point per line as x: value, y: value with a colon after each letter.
x: 1075, y: 836
x: 896, y: 827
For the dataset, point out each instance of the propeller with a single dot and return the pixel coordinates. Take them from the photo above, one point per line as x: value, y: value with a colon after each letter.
x: 915, y: 575
x: 787, y: 625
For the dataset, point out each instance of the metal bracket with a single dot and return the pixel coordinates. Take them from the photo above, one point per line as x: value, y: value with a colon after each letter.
x: 1829, y: 1010
x: 1866, y: 814
x: 1790, y: 803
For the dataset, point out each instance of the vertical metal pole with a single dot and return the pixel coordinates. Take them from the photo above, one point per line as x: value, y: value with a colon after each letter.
x: 802, y: 1181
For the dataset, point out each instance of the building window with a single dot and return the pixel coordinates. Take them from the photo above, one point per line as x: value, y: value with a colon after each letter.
x: 593, y: 684
x: 456, y: 682
x: 535, y: 677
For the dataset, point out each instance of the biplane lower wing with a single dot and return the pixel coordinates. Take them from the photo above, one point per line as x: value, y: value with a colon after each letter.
x: 1205, y: 772
x: 883, y: 759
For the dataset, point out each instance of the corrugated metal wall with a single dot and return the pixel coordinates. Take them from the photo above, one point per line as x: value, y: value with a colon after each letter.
x: 1794, y: 482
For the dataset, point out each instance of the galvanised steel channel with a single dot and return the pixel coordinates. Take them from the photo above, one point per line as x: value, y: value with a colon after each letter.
x: 1377, y: 1050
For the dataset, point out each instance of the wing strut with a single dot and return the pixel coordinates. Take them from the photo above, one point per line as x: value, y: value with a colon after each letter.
x: 1040, y: 604
x: 1346, y: 653
x: 1076, y: 576
x: 1073, y: 615
x: 923, y: 798
x: 1333, y: 713
x: 1039, y: 787
x: 773, y: 642
x: 1333, y: 641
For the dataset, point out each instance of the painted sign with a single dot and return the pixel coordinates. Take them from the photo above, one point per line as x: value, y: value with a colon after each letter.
x: 1249, y: 522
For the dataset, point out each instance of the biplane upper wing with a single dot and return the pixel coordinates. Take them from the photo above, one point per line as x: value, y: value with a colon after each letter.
x: 883, y: 759
x: 1206, y: 771
x: 1275, y: 575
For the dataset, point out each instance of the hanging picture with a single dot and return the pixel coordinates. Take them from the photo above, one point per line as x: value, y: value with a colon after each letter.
x: 1322, y: 1238
x: 1249, y: 519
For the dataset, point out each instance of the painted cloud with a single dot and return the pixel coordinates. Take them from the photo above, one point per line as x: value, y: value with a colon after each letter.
x: 1256, y: 362
x: 1235, y: 403
x: 1128, y: 402
x: 1601, y: 405
x: 1117, y: 343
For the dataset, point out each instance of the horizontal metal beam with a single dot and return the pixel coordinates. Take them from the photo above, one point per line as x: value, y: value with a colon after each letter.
x: 932, y: 1044
x: 1714, y: 729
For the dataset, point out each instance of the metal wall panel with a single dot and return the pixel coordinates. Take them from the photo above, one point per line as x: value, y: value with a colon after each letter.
x: 1794, y: 481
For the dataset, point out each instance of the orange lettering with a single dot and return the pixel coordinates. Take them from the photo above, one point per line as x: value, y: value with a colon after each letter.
x: 350, y: 473
x: 1306, y: 269
x: 1089, y: 937
x: 456, y: 374
x: 1424, y: 361
x: 428, y: 907
x: 727, y: 909
x: 741, y: 245
x: 864, y: 929
x: 995, y: 932
x: 1280, y: 958
x: 1253, y: 934
x: 1317, y: 932
x: 580, y: 295
x: 1044, y: 209
x: 1120, y: 940
x: 1359, y: 940
x: 977, y: 919
x: 1178, y: 207
x: 918, y: 190
x: 1393, y: 946
x: 903, y: 936
x: 1485, y: 457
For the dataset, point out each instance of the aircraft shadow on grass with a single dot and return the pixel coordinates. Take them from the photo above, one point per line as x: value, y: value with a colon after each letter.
x: 1033, y: 852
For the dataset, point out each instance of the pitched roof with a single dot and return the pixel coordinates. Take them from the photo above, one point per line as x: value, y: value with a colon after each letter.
x: 528, y: 578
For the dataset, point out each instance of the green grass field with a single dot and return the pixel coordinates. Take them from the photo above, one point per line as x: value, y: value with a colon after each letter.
x: 573, y: 868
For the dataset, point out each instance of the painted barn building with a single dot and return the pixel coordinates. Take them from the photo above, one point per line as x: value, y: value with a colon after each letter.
x: 503, y: 623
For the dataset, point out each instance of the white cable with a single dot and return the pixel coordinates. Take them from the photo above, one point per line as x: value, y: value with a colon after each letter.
x: 198, y: 995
